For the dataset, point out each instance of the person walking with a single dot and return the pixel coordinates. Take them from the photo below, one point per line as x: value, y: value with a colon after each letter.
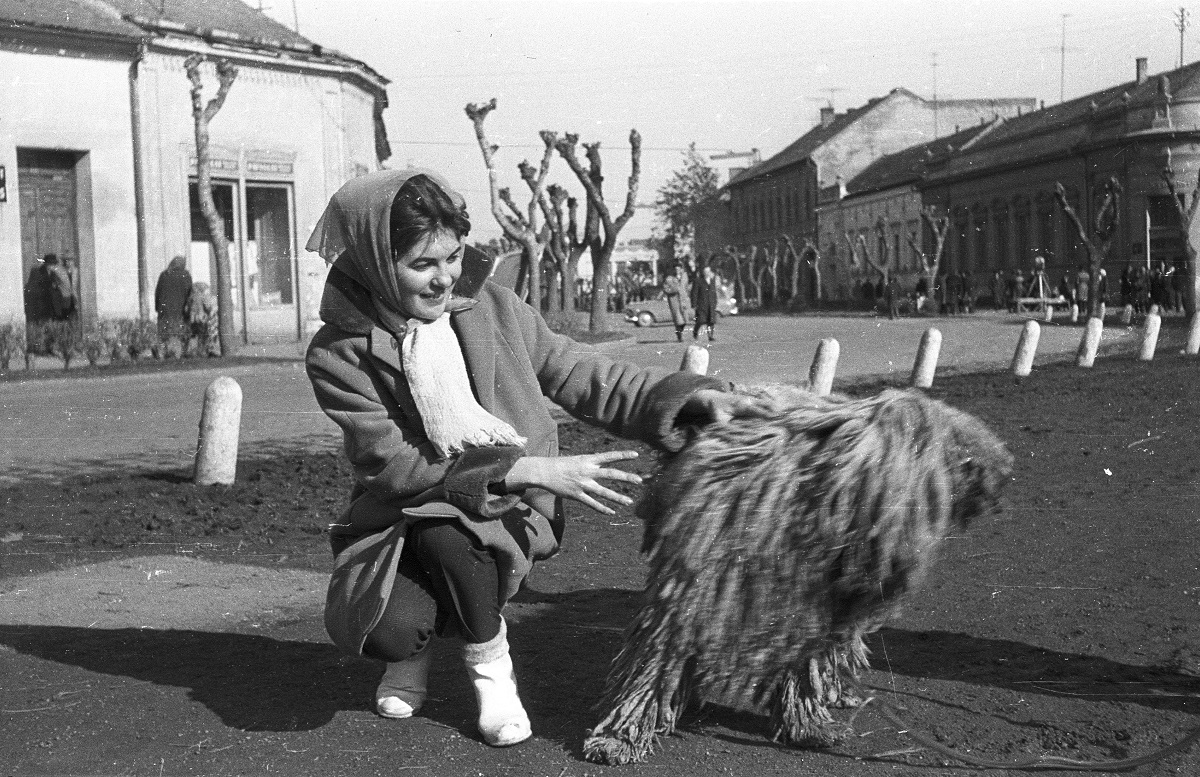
x: 170, y: 304
x: 704, y: 303
x: 892, y: 292
x: 676, y: 302
x: 432, y: 372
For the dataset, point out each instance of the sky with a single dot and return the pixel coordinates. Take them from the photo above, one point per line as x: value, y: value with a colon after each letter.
x: 727, y: 76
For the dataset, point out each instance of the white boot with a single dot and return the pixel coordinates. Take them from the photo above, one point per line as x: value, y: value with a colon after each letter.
x: 502, y: 718
x: 402, y: 689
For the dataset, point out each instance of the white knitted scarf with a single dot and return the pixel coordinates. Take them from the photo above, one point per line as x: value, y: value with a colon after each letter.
x: 437, y: 376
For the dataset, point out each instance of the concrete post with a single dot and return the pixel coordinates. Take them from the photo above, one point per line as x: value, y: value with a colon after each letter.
x: 820, y: 375
x: 1075, y: 313
x: 220, y: 422
x: 927, y: 356
x: 1022, y: 363
x: 695, y: 360
x: 1150, y: 335
x: 1086, y: 355
x: 1049, y: 316
x: 1193, y: 339
x: 1127, y: 315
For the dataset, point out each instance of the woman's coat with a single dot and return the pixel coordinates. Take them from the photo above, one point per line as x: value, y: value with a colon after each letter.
x: 513, y: 360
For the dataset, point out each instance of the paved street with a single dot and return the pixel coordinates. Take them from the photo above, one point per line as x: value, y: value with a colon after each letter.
x: 59, y: 426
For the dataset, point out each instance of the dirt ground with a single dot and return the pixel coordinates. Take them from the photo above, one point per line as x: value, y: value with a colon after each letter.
x: 150, y: 627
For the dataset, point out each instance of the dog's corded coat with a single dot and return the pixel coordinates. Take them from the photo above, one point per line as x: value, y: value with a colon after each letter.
x: 774, y: 543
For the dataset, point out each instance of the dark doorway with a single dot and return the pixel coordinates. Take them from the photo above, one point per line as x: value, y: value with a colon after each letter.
x: 47, y: 188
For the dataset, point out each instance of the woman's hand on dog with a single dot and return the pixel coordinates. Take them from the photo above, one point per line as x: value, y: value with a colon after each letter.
x: 575, y: 477
x: 709, y: 406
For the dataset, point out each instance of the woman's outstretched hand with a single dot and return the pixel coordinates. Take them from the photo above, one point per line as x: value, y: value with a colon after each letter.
x: 575, y: 477
x: 719, y: 407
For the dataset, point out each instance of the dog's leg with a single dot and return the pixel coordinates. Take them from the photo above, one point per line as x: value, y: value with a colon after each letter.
x: 647, y: 689
x: 799, y: 716
x: 846, y: 662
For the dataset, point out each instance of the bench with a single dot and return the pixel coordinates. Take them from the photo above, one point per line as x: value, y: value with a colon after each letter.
x: 1027, y: 304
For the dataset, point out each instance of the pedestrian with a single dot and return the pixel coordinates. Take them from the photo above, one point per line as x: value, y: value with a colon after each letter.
x: 1066, y: 289
x: 967, y: 292
x: 433, y: 372
x: 997, y: 290
x: 921, y: 291
x: 676, y: 301
x: 1160, y: 288
x: 892, y: 293
x: 1016, y: 291
x: 1176, y: 282
x: 202, y: 322
x: 170, y: 304
x: 704, y: 303
x: 953, y: 293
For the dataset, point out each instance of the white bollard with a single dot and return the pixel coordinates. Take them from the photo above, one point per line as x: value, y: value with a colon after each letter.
x: 220, y: 422
x: 1150, y: 335
x: 1193, y: 339
x: 1075, y: 313
x: 820, y: 375
x: 1127, y: 315
x: 695, y: 360
x: 927, y: 355
x: 1049, y: 316
x: 1086, y: 355
x: 1022, y: 363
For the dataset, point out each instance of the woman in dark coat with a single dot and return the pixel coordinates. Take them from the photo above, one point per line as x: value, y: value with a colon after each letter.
x: 704, y: 301
x: 673, y: 291
x: 433, y: 374
x: 171, y: 300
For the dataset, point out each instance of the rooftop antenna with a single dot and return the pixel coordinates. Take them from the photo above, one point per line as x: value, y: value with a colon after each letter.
x: 1062, y: 68
x: 935, y: 110
x: 1181, y: 24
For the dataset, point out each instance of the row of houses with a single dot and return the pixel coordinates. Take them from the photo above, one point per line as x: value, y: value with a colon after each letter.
x: 98, y: 162
x: 991, y: 166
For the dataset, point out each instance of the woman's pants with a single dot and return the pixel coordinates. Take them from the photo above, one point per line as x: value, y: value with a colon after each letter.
x: 444, y: 578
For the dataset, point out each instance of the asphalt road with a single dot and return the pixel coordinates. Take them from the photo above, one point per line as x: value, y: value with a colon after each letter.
x: 68, y: 425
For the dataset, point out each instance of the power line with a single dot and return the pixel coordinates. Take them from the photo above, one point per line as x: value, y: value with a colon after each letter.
x: 464, y: 144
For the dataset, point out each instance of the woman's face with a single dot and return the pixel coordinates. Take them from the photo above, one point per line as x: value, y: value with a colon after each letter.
x: 427, y: 273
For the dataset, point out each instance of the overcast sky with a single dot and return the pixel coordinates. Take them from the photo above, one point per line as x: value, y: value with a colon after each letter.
x: 726, y: 75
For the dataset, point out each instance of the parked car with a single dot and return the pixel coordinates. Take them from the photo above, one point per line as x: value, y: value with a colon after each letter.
x: 655, y: 311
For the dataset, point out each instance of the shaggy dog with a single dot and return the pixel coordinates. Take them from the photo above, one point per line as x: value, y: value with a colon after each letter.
x: 775, y: 543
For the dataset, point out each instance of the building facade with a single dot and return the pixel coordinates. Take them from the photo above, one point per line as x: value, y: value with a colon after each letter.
x: 98, y: 148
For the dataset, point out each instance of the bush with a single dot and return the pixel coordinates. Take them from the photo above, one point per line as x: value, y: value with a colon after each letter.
x: 95, y: 342
x: 64, y: 339
x: 37, y: 342
x: 143, y: 338
x: 12, y: 343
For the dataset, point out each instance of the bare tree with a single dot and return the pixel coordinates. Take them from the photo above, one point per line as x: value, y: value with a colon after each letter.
x: 883, y: 264
x: 202, y: 116
x: 566, y: 247
x: 524, y: 227
x: 602, y: 246
x: 939, y: 226
x: 734, y: 256
x: 1097, y: 244
x: 810, y: 256
x: 1189, y: 225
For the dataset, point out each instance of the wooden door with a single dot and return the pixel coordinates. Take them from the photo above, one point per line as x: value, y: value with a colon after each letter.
x: 46, y: 186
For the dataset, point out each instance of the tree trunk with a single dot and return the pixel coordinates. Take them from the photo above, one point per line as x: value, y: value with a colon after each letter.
x: 598, y: 317
x: 202, y: 115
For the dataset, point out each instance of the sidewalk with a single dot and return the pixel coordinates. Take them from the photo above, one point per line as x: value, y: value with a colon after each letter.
x: 149, y: 420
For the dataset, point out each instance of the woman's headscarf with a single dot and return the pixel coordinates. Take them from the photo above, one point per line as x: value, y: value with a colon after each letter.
x: 356, y: 227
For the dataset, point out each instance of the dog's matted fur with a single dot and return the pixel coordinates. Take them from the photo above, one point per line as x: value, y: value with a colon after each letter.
x: 776, y: 542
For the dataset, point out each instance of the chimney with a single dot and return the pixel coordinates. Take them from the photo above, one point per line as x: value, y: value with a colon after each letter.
x: 1141, y: 70
x: 826, y: 116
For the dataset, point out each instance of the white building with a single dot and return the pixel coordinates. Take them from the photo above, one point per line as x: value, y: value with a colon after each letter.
x: 97, y: 151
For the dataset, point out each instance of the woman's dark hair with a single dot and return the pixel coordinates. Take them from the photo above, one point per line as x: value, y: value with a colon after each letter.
x: 420, y: 209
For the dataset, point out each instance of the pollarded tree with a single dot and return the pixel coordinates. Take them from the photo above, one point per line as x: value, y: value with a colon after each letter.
x: 566, y: 247
x: 524, y: 227
x: 687, y: 187
x: 811, y: 257
x: 1097, y: 244
x: 202, y: 116
x: 1189, y: 227
x: 602, y: 245
x: 939, y: 225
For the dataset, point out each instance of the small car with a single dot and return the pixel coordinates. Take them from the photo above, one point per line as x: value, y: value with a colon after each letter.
x: 656, y: 311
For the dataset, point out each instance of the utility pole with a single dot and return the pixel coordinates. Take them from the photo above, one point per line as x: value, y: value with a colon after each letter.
x: 935, y: 111
x: 295, y: 18
x: 1062, y: 67
x: 1181, y: 24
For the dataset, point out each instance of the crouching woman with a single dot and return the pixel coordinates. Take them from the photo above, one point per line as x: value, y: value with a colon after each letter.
x: 436, y: 376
